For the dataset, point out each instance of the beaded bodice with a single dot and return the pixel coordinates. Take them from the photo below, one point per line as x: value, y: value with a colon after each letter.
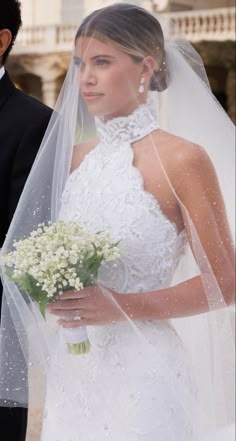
x: 106, y: 192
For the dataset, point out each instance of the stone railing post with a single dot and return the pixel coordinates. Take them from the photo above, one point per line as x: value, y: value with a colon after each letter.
x: 50, y: 36
x: 49, y: 91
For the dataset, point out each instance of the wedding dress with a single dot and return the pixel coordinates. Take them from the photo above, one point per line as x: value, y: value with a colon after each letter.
x: 116, y: 392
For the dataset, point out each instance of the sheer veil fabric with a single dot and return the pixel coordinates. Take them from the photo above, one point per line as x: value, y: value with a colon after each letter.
x: 186, y: 109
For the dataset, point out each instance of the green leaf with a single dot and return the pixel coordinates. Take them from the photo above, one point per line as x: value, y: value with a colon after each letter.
x: 42, y: 306
x: 28, y: 284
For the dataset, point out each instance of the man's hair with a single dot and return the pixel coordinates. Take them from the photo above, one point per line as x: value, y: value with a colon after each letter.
x: 10, y: 18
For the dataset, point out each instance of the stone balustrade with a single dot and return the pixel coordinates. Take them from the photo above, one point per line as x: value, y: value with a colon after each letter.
x: 201, y: 25
x: 197, y: 25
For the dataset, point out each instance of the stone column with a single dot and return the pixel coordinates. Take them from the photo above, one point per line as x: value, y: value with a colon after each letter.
x: 49, y: 91
x: 230, y: 93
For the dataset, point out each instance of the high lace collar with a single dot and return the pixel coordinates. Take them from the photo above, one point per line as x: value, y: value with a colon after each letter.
x: 142, y: 121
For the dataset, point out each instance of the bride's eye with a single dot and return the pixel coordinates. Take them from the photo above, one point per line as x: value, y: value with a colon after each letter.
x: 102, y: 61
x: 78, y: 62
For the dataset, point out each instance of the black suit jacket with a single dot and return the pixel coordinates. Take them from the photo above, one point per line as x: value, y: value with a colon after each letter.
x: 23, y: 121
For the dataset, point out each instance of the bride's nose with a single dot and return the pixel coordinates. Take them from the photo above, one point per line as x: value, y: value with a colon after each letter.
x: 87, y: 76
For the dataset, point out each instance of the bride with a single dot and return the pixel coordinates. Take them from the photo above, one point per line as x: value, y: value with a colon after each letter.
x: 160, y: 194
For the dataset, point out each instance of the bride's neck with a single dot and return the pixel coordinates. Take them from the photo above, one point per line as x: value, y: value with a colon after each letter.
x: 130, y: 108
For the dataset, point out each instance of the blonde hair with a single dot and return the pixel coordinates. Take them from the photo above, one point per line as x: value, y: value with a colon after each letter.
x: 134, y: 31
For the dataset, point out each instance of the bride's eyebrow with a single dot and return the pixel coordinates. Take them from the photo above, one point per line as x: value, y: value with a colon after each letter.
x: 101, y: 56
x: 78, y: 60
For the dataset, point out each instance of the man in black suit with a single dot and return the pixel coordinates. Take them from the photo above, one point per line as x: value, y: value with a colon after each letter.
x: 23, y: 121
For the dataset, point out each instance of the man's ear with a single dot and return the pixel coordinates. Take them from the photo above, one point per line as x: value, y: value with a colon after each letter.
x: 5, y: 40
x: 149, y: 66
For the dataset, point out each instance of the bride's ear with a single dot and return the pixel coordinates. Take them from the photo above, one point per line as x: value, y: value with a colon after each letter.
x: 148, y: 67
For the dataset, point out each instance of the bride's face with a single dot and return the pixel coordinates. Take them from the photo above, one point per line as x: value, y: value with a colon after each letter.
x: 109, y: 79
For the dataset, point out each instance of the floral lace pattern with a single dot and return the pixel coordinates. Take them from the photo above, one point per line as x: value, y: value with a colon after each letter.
x: 136, y: 126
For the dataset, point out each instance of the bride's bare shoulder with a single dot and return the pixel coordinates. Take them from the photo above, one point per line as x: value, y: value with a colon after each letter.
x: 80, y: 151
x: 185, y: 161
x: 178, y: 150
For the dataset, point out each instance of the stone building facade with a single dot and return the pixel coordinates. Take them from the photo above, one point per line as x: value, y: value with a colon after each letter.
x: 43, y: 49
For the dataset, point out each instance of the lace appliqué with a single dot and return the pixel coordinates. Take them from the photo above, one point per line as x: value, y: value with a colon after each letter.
x: 137, y: 125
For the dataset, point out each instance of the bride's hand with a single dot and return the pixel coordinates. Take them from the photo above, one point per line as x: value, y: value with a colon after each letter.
x: 90, y: 306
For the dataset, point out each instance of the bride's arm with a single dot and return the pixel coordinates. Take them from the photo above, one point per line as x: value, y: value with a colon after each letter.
x: 197, y: 188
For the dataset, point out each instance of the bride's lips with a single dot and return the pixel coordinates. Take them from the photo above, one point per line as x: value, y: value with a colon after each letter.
x: 91, y: 96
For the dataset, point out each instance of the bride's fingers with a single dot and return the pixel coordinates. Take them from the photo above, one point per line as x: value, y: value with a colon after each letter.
x: 74, y: 314
x: 75, y: 323
x: 73, y: 294
x: 65, y: 304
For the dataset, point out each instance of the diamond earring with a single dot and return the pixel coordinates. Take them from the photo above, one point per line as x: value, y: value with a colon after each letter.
x: 141, y: 87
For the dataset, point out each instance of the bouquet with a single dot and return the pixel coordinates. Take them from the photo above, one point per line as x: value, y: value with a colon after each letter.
x: 55, y: 258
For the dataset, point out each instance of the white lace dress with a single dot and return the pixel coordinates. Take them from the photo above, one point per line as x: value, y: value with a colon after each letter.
x: 132, y: 385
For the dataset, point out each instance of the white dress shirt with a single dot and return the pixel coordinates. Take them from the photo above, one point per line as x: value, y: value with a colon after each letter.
x: 2, y: 72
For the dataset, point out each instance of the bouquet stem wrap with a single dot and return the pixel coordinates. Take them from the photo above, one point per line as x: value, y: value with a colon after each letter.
x: 77, y: 340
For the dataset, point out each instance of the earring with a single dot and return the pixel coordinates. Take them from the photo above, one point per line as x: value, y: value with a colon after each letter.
x: 141, y: 87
